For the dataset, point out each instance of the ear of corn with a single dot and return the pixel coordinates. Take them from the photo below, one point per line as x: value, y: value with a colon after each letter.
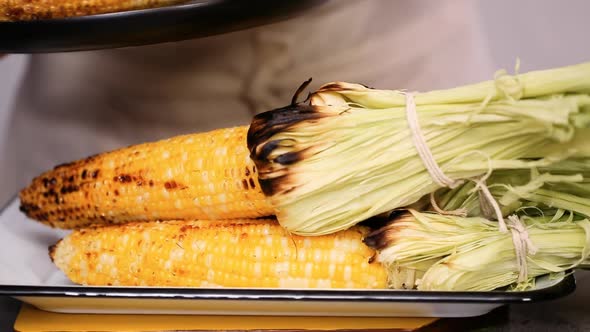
x: 200, y: 176
x: 239, y: 253
x: 19, y: 10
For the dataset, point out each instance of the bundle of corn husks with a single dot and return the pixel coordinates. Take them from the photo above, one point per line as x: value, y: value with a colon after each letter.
x: 474, y: 188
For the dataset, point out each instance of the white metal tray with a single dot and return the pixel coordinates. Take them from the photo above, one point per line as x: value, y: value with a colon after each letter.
x: 27, y: 273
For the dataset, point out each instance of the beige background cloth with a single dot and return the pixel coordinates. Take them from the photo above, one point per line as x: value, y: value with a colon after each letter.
x: 75, y: 104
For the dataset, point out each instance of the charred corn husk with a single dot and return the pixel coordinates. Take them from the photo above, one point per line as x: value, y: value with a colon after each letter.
x: 238, y: 253
x: 200, y: 176
x: 350, y: 152
x: 429, y: 251
x: 20, y: 10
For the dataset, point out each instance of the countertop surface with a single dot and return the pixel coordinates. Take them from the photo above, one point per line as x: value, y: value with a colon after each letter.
x: 566, y: 314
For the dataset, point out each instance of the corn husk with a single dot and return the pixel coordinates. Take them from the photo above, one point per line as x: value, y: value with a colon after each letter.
x: 347, y: 154
x: 552, y: 190
x: 470, y: 254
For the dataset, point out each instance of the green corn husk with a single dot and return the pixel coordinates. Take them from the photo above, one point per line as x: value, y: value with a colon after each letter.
x: 549, y: 190
x: 347, y: 155
x: 471, y: 254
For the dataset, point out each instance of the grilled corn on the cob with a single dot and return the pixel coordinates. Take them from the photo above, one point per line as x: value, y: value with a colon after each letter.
x: 239, y: 253
x: 20, y: 10
x: 200, y: 176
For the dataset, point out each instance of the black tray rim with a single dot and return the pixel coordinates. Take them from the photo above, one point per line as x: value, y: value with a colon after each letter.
x: 172, y: 23
x: 190, y: 4
x: 558, y: 290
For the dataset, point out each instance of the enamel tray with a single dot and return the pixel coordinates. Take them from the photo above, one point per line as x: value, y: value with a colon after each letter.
x: 193, y: 19
x: 27, y: 274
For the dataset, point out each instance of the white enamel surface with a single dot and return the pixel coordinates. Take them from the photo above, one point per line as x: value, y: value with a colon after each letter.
x: 24, y: 251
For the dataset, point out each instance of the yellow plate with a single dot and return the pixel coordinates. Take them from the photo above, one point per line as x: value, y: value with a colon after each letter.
x: 31, y: 319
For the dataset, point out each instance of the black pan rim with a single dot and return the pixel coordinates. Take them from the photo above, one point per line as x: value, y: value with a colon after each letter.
x: 173, y: 23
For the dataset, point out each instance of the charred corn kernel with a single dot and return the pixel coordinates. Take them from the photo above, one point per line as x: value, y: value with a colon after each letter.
x: 201, y: 176
x: 242, y: 253
x: 18, y: 10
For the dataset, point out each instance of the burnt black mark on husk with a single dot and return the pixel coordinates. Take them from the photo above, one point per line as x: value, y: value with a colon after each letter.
x: 376, y: 241
x: 271, y: 186
x: 267, y: 124
x: 288, y: 158
x: 384, y: 219
x: 267, y: 149
x: 381, y: 237
x: 299, y: 90
x: 337, y: 86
